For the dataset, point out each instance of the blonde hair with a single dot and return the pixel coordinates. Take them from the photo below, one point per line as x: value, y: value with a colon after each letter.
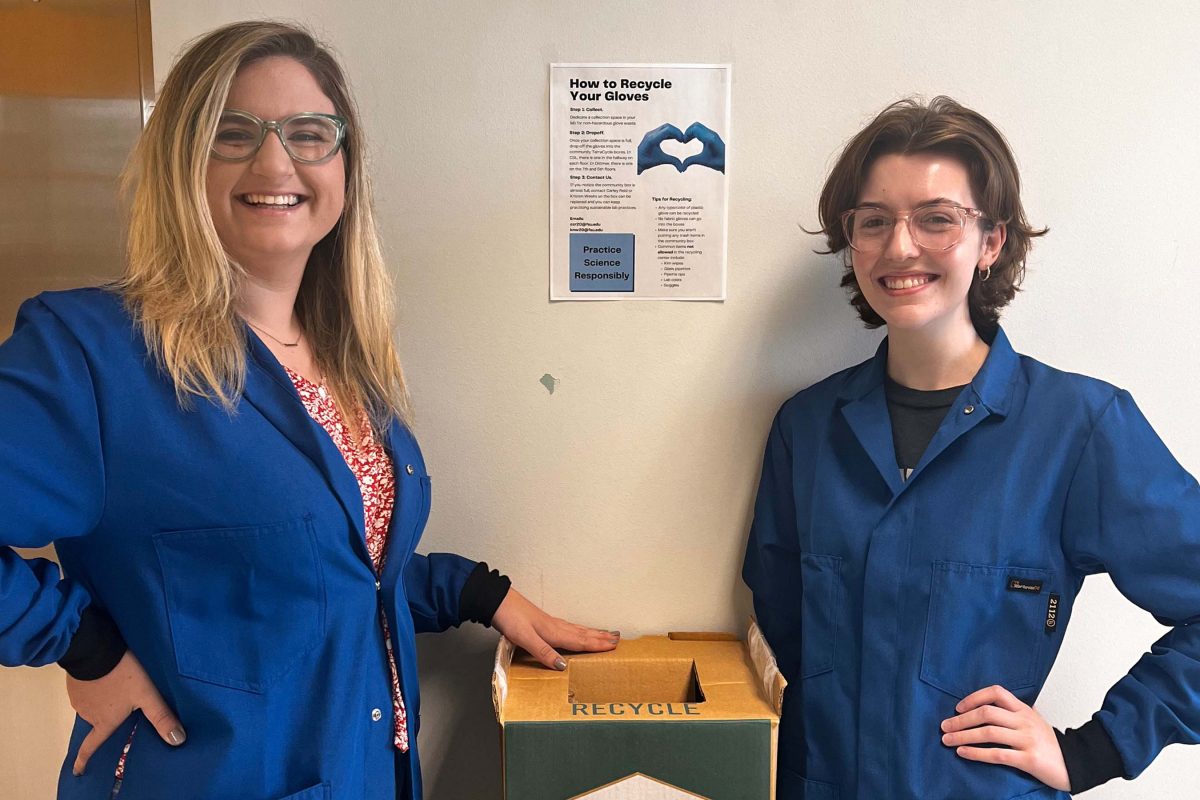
x: 180, y: 285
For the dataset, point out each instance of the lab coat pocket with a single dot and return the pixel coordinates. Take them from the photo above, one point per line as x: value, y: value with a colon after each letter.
x: 821, y: 599
x: 245, y: 604
x: 816, y: 790
x: 426, y: 505
x: 318, y: 792
x: 984, y: 627
x: 793, y: 786
x: 1043, y: 793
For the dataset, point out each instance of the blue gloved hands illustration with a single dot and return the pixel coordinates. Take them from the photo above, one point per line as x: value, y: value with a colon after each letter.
x: 650, y: 152
x: 713, y: 154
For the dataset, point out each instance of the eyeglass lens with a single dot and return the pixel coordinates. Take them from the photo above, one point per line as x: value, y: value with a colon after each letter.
x: 306, y: 137
x: 937, y: 227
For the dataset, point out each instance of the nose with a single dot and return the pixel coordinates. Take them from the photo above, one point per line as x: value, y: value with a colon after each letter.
x: 272, y: 159
x: 900, y: 245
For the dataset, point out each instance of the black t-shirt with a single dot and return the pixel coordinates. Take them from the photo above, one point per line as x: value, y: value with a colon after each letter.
x: 916, y: 415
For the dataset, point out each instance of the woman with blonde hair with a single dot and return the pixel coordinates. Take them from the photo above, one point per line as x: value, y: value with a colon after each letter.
x: 220, y: 447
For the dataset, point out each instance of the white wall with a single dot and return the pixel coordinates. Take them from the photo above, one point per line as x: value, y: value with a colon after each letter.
x: 623, y: 499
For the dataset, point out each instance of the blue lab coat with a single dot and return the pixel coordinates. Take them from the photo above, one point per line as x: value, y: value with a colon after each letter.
x: 230, y: 551
x: 887, y: 602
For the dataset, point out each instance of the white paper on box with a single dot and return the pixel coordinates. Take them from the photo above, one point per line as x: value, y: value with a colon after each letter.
x: 638, y: 787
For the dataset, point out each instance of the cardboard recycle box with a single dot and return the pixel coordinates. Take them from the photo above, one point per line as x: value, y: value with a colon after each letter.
x: 686, y: 715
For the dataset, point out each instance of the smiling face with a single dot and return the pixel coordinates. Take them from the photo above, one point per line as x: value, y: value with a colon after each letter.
x: 270, y: 211
x: 909, y: 287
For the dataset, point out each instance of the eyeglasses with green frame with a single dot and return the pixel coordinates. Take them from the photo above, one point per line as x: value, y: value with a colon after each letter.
x: 308, y: 137
x: 935, y: 226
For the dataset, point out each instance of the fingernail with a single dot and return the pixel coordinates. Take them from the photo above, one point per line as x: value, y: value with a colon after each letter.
x: 76, y: 771
x: 946, y: 739
x: 560, y: 664
x: 616, y: 633
x: 614, y: 640
x: 177, y: 736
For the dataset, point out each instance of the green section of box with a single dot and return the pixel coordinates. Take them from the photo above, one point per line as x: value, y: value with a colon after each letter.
x: 720, y: 759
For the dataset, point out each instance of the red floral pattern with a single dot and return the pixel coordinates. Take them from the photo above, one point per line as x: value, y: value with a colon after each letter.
x: 120, y: 774
x: 369, y: 462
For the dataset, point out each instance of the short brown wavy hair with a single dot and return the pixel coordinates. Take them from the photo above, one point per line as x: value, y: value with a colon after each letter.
x: 945, y: 127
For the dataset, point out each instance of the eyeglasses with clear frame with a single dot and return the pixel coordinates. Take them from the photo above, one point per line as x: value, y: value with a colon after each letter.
x: 935, y: 226
x: 308, y: 137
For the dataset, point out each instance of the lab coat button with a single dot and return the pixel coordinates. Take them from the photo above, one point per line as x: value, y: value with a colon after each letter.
x: 376, y: 715
x: 969, y: 410
x: 408, y: 468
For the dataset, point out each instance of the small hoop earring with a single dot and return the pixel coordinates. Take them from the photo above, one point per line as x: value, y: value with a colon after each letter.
x: 987, y: 274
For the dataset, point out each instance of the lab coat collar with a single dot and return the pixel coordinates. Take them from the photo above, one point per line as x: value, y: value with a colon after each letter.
x: 992, y: 386
x: 865, y: 408
x: 994, y: 382
x: 270, y: 390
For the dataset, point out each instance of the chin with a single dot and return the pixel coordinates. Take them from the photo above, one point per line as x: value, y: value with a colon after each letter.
x: 276, y: 248
x: 909, y: 319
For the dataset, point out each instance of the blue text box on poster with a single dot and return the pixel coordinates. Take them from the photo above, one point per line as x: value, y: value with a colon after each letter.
x: 601, y: 262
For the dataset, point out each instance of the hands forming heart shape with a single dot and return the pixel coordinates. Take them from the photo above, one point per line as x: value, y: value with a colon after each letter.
x: 650, y: 152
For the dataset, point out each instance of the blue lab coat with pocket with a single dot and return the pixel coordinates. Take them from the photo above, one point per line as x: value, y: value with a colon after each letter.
x: 230, y: 551
x: 887, y: 602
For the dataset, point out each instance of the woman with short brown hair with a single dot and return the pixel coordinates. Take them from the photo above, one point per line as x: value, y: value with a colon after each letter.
x: 925, y: 519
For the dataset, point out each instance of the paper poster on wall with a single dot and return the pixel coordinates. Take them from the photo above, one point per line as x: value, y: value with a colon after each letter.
x: 639, y: 174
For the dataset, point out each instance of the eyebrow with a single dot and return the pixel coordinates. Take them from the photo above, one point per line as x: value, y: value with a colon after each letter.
x: 930, y: 202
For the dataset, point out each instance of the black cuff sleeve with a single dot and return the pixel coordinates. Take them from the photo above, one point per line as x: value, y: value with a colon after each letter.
x: 482, y: 594
x: 1090, y: 756
x: 96, y: 647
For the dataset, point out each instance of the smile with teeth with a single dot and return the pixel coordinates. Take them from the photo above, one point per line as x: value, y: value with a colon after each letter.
x: 906, y: 283
x: 271, y: 200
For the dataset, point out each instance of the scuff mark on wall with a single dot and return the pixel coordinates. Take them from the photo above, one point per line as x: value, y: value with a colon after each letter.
x: 550, y: 382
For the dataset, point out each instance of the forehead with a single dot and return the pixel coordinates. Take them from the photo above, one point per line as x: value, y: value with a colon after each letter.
x: 275, y: 87
x: 904, y: 181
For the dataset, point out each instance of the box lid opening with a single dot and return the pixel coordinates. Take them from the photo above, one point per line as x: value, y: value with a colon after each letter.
x: 634, y: 680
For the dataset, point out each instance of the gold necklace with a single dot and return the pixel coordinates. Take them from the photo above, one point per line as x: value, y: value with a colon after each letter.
x: 276, y: 338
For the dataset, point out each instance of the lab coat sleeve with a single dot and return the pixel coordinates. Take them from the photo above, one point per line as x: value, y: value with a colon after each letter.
x: 51, y: 482
x: 772, y: 565
x: 1134, y: 512
x: 434, y: 585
